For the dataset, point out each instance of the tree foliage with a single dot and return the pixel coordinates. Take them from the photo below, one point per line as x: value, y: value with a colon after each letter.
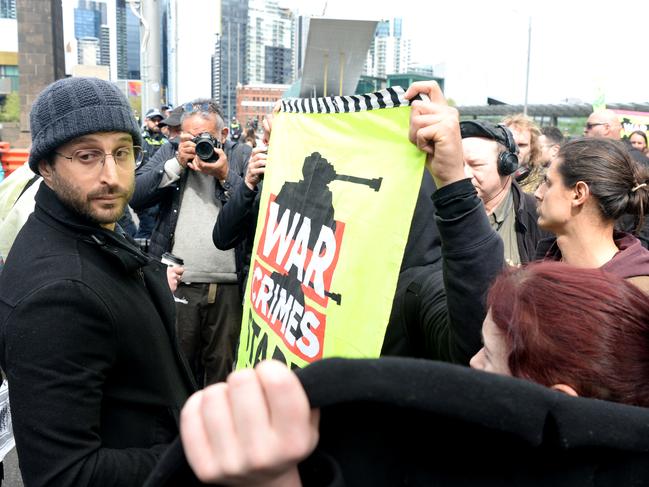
x: 10, y: 111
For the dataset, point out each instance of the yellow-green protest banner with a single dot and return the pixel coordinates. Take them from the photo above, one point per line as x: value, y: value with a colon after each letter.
x: 338, y: 196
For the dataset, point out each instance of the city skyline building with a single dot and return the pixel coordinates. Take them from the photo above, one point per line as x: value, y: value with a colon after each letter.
x: 128, y: 42
x: 118, y: 46
x: 300, y: 36
x: 216, y: 69
x: 390, y: 52
x: 91, y: 22
x: 9, y: 74
x: 88, y: 51
x: 86, y: 23
x: 104, y: 45
x: 254, y: 101
x: 278, y: 65
x: 233, y: 42
x: 269, y: 25
x: 423, y: 69
x: 260, y: 42
x: 7, y: 9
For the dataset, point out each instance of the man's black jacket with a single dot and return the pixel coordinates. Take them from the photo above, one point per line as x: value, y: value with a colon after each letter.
x: 87, y: 341
x: 437, y: 313
x: 528, y: 233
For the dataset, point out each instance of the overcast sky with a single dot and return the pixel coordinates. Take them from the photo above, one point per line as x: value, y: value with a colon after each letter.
x: 578, y: 47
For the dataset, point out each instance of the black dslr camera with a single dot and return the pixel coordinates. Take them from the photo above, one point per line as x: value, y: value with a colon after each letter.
x: 205, y: 145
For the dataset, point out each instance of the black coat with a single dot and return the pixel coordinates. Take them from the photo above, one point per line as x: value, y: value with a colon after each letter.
x: 88, y: 345
x: 236, y: 225
x: 528, y: 233
x: 407, y: 422
x: 423, y: 247
x: 438, y: 309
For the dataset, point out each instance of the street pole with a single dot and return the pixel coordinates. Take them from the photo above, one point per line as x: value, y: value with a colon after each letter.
x: 341, y: 75
x: 151, y: 12
x: 529, y: 51
x: 150, y: 51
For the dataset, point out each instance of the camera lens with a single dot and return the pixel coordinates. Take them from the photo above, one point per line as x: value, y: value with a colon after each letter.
x: 205, y: 150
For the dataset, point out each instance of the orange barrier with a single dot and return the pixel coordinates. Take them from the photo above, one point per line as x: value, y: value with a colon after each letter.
x: 12, y: 159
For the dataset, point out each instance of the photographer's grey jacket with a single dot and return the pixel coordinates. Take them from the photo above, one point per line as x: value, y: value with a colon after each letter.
x: 148, y: 191
x: 88, y: 345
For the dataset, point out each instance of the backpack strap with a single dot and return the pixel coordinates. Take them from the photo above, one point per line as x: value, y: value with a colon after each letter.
x: 26, y: 187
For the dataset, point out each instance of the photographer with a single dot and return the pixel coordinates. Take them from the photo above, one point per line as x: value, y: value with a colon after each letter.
x: 191, y: 192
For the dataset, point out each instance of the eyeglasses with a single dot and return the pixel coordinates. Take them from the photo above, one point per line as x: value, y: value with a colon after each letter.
x: 589, y: 126
x: 207, y: 107
x: 124, y: 157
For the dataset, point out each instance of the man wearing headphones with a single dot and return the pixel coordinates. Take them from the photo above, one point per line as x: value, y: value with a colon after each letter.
x: 437, y: 311
x: 490, y: 156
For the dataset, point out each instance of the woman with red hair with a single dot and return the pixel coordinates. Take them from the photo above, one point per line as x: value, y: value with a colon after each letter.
x: 581, y: 331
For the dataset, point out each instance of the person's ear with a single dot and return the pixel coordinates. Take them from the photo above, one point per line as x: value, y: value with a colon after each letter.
x: 566, y: 389
x: 224, y: 134
x: 581, y: 193
x: 554, y: 151
x: 45, y: 169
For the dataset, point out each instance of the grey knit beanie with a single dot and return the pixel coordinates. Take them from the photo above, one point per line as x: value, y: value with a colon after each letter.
x: 72, y: 107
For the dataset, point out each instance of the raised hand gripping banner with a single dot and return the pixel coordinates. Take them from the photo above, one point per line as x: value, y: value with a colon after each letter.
x: 340, y: 188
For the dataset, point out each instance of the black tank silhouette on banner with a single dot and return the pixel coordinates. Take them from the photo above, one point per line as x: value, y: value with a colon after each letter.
x: 311, y: 196
x: 312, y: 199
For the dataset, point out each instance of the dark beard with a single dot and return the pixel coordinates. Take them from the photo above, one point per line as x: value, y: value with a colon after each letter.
x: 70, y: 196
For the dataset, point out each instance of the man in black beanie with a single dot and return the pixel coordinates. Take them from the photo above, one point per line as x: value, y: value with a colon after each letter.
x: 86, y: 319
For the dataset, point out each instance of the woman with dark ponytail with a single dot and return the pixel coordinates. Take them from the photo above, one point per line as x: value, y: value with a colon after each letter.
x: 591, y: 184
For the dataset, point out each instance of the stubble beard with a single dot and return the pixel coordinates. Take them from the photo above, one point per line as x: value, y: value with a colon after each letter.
x: 82, y: 204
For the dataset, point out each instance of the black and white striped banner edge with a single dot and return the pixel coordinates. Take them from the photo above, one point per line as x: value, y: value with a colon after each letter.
x: 388, y: 98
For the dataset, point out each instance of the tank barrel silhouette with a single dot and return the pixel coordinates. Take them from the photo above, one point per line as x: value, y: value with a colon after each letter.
x: 337, y: 297
x: 375, y: 183
x: 334, y: 297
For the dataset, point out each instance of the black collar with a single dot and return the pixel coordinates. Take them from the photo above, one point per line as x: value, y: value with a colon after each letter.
x: 53, y: 211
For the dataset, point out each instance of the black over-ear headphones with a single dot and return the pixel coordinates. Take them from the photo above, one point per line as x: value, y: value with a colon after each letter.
x: 507, y: 160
